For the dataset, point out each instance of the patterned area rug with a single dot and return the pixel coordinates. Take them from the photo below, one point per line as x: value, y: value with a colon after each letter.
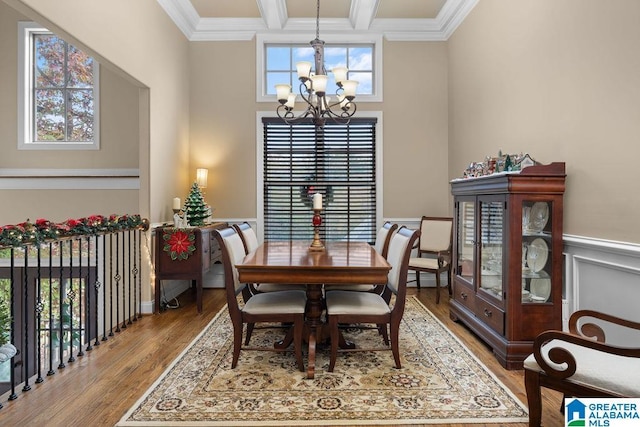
x: 440, y: 382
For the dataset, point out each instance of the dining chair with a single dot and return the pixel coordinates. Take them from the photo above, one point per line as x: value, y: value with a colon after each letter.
x: 381, y: 245
x: 436, y: 239
x: 582, y: 363
x: 250, y: 243
x: 368, y: 307
x: 278, y: 307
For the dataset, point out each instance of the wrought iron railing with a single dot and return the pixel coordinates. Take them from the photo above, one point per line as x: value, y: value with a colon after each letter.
x: 64, y: 289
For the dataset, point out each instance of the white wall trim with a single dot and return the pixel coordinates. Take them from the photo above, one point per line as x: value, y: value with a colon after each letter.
x: 69, y: 179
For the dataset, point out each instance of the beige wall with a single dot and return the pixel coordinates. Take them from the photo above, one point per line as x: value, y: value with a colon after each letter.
x: 138, y: 41
x: 119, y: 144
x: 223, y: 131
x: 560, y: 80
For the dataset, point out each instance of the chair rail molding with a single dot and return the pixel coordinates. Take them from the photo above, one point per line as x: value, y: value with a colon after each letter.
x: 69, y: 179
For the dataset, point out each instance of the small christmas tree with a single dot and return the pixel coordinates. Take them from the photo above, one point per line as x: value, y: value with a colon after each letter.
x: 195, y: 207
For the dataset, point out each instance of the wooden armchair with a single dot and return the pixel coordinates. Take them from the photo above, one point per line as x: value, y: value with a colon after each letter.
x: 580, y: 363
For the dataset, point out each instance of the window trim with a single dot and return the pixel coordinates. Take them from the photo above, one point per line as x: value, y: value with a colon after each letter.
x: 25, y: 99
x: 332, y: 38
x: 260, y: 168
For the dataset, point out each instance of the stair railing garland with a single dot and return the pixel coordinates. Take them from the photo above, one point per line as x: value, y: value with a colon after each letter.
x: 43, y: 230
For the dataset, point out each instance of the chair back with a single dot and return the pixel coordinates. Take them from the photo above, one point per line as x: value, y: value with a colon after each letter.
x: 248, y: 236
x: 435, y: 234
x: 384, y: 237
x: 232, y: 253
x: 398, y: 256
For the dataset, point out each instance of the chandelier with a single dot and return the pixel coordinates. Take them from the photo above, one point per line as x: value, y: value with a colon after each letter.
x: 313, y: 87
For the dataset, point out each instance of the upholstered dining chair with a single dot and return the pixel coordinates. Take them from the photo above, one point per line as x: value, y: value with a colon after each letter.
x: 280, y: 307
x: 250, y: 243
x: 368, y: 307
x: 436, y: 234
x: 580, y: 363
x: 381, y: 245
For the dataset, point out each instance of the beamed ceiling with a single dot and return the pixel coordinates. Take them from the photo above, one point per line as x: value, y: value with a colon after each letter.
x: 397, y: 20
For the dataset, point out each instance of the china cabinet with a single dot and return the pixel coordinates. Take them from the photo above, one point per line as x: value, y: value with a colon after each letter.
x: 507, y: 257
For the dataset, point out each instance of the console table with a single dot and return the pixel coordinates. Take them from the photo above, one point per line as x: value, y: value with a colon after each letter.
x: 193, y: 268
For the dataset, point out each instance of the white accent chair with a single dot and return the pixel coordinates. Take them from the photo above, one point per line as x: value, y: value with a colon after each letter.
x: 381, y: 245
x: 436, y: 238
x: 580, y: 363
x: 278, y: 307
x: 368, y: 307
x: 250, y: 243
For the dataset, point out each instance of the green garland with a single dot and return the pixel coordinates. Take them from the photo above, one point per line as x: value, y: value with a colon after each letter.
x: 27, y: 233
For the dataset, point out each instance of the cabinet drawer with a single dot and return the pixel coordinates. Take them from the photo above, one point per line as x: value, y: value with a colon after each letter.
x: 491, y: 315
x: 465, y: 296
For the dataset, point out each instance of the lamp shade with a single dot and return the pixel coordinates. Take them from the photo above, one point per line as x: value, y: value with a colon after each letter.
x: 340, y: 74
x: 201, y: 177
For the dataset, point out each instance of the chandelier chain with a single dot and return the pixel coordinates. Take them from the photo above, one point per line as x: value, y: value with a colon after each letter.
x: 318, y: 19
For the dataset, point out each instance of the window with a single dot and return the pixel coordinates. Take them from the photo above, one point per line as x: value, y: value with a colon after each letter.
x: 282, y: 60
x: 338, y: 161
x: 276, y: 58
x: 58, y: 102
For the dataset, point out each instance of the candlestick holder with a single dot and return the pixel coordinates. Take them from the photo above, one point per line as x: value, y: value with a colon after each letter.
x: 316, y: 245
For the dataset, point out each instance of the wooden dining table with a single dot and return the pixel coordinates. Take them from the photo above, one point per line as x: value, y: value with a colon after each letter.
x: 291, y: 262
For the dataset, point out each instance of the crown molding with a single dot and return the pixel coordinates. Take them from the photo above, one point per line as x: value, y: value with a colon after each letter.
x: 275, y: 20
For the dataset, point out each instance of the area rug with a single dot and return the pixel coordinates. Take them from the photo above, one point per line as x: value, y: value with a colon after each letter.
x: 440, y: 382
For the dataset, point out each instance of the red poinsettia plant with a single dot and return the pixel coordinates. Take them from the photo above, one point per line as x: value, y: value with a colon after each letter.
x: 179, y: 243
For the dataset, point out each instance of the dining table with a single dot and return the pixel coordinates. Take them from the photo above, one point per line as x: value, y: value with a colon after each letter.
x: 294, y: 262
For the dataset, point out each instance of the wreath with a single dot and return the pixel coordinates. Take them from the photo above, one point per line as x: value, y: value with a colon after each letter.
x: 307, y: 191
x: 179, y: 243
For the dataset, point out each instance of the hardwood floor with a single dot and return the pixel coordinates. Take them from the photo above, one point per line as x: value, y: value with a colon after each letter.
x: 102, y: 385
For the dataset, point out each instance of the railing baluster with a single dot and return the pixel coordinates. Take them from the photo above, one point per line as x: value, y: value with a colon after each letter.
x: 12, y: 288
x: 71, y: 296
x: 25, y: 324
x: 111, y: 285
x: 39, y: 308
x: 124, y: 284
x: 87, y: 307
x: 61, y: 364
x: 117, y: 278
x: 97, y: 283
x: 81, y: 325
x: 104, y: 289
x: 135, y: 275
x: 130, y: 272
x: 50, y: 328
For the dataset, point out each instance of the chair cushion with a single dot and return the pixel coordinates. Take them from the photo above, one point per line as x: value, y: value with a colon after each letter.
x: 358, y: 303
x: 618, y: 374
x: 276, y: 302
x: 359, y: 288
x: 276, y: 287
x: 428, y: 263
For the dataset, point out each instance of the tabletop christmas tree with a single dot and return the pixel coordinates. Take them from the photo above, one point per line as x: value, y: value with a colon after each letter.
x: 195, y: 207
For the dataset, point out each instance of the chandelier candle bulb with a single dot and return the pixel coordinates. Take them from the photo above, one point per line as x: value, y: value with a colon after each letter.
x: 319, y: 84
x: 291, y: 102
x: 304, y: 69
x: 340, y: 74
x: 317, y: 201
x: 283, y: 91
x: 349, y: 87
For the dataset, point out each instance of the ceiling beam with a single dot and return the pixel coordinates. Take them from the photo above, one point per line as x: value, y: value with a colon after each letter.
x: 362, y: 13
x: 274, y: 13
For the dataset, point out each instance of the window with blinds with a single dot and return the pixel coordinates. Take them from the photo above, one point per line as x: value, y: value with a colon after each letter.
x: 338, y: 161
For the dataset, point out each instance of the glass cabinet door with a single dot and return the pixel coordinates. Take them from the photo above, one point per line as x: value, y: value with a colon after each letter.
x: 465, y: 244
x: 536, y: 251
x: 491, y: 242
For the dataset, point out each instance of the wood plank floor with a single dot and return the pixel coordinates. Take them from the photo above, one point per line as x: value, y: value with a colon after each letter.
x: 101, y: 386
